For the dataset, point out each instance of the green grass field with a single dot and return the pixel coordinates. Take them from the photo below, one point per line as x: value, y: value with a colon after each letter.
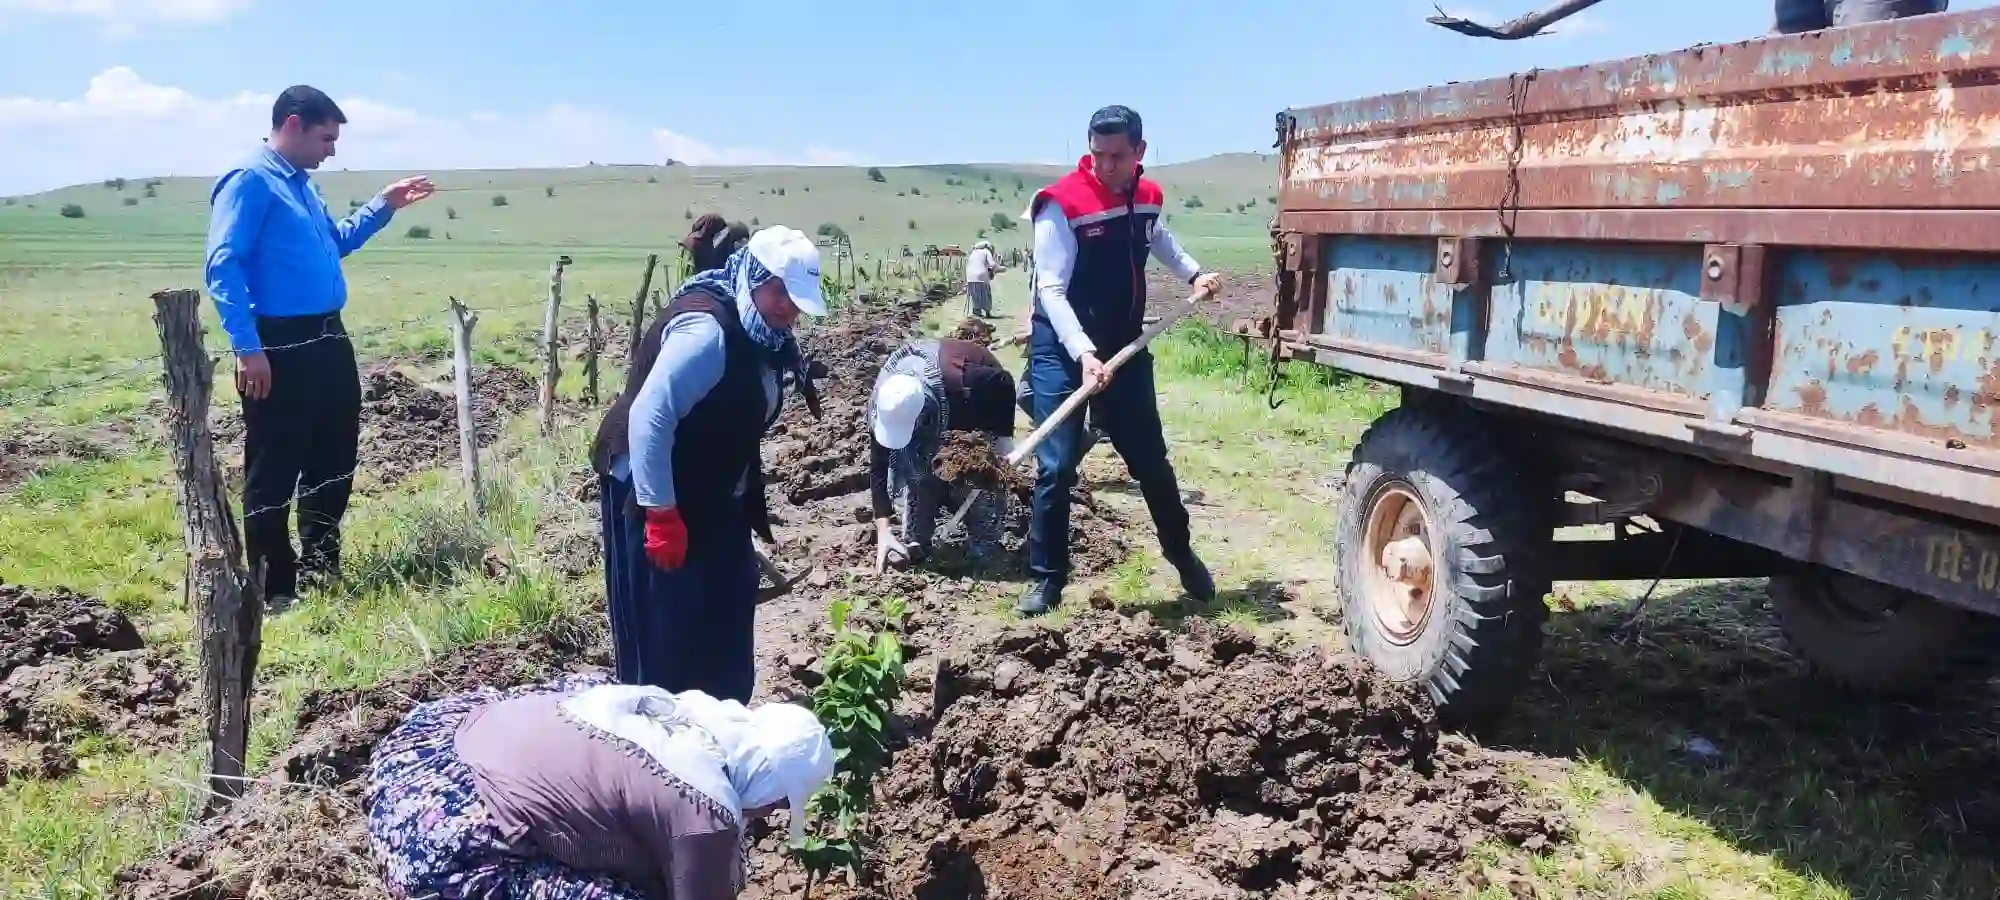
x: 1806, y: 800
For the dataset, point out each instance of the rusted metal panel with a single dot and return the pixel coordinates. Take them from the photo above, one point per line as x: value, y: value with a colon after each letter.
x: 1895, y: 115
x: 1627, y: 315
x: 1908, y: 344
x: 1383, y: 291
x: 1957, y: 562
x: 1886, y: 229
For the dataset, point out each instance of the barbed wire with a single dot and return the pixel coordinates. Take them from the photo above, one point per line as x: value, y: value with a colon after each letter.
x: 132, y: 367
x: 38, y: 396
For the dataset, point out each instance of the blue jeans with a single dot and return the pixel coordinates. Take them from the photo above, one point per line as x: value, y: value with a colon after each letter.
x: 1129, y: 414
x: 1794, y: 16
x: 694, y: 628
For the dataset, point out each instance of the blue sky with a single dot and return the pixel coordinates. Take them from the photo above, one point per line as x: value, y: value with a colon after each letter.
x: 91, y: 89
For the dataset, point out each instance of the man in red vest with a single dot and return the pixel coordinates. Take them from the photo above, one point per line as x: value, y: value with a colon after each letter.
x: 1093, y: 231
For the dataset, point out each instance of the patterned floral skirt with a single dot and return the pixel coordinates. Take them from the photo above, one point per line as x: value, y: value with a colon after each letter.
x: 430, y: 830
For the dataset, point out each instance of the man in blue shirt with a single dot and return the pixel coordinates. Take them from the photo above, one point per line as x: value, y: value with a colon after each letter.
x: 273, y: 267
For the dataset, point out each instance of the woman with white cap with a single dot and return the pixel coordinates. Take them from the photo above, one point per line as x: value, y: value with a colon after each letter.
x: 682, y: 485
x: 578, y: 789
x: 926, y: 388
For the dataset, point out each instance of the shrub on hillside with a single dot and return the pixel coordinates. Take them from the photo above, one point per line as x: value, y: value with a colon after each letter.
x: 832, y: 231
x: 916, y: 191
x: 418, y: 232
x: 499, y: 200
x: 875, y: 175
x: 913, y: 224
x: 654, y: 179
x: 72, y: 211
x: 131, y: 201
x: 549, y: 191
x: 1192, y: 203
x: 116, y: 184
x: 450, y: 212
x: 1002, y: 222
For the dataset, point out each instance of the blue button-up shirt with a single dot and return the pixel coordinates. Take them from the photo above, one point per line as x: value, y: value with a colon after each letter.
x: 274, y: 250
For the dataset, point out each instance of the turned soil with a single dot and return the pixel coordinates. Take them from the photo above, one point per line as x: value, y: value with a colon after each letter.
x: 1105, y: 757
x: 1097, y: 759
x: 409, y: 427
x: 72, y: 668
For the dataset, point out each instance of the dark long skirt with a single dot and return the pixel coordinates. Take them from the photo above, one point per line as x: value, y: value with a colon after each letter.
x: 690, y: 629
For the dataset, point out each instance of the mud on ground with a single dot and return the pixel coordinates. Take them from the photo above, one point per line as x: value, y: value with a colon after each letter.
x: 1109, y: 758
x: 72, y: 668
x: 32, y: 449
x: 301, y: 833
x: 408, y: 427
x: 1245, y: 295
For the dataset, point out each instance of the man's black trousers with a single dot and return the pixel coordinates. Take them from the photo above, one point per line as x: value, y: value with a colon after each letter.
x: 300, y: 444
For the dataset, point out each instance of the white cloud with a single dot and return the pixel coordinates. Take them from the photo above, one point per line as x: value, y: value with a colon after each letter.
x: 694, y: 152
x: 126, y: 18
x: 125, y: 126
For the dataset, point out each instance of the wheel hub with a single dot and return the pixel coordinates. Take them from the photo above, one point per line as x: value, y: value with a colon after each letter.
x: 1402, y: 581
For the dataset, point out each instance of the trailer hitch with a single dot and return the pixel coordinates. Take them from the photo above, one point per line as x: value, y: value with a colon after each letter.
x: 1527, y: 26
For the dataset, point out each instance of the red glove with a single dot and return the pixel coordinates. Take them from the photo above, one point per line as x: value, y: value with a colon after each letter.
x: 666, y: 538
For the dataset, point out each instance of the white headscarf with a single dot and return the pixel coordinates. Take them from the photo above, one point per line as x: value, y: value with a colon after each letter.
x: 740, y: 757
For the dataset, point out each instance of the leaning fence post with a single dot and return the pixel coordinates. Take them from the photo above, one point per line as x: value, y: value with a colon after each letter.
x: 552, y: 357
x: 639, y: 306
x: 462, y: 321
x: 229, y: 604
x: 593, y: 345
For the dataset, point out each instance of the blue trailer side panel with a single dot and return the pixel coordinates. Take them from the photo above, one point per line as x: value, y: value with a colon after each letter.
x: 1904, y: 343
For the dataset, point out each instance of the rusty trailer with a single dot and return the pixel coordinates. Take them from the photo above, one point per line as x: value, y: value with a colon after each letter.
x: 1740, y: 302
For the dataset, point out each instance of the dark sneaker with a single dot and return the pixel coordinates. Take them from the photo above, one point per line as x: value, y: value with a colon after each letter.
x: 1045, y: 596
x: 1195, y: 579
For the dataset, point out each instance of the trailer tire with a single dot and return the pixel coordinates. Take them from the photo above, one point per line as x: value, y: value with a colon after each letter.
x: 1864, y: 634
x: 1484, y: 533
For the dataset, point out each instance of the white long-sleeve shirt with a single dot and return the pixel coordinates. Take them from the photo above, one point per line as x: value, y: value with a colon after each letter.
x: 1055, y: 260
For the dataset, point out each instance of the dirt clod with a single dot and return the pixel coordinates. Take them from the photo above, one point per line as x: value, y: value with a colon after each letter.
x: 71, y: 667
x: 300, y: 834
x: 36, y: 625
x: 32, y: 450
x: 978, y: 330
x: 1086, y: 762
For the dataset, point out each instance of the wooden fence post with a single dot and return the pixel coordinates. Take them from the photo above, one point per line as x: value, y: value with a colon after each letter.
x: 462, y: 322
x: 552, y: 355
x: 639, y: 306
x: 229, y: 604
x: 593, y: 345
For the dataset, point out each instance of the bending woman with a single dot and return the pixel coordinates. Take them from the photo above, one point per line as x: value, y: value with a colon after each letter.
x: 582, y: 790
x: 682, y: 486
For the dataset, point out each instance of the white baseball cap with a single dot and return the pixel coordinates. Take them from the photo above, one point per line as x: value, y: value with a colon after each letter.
x: 898, y: 405
x: 791, y: 256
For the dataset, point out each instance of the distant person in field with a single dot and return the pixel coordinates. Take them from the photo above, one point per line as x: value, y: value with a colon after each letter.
x: 575, y: 789
x: 273, y: 267
x: 980, y: 267
x: 712, y: 239
x: 1795, y: 16
x: 925, y: 389
x: 1093, y: 232
x: 681, y: 478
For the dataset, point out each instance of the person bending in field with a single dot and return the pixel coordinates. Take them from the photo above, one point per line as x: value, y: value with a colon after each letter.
x: 577, y: 789
x: 273, y: 267
x: 926, y: 388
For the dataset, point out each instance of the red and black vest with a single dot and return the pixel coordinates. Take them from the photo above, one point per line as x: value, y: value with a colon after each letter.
x: 716, y: 442
x: 1114, y: 234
